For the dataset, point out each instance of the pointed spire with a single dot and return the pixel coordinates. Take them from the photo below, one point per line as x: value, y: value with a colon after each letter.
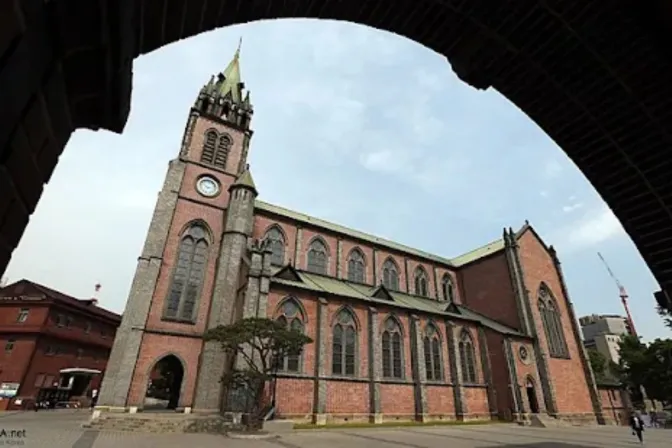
x: 229, y: 82
x: 245, y: 180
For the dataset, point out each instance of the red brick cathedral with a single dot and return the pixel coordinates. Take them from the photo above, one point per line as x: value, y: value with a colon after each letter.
x: 398, y: 333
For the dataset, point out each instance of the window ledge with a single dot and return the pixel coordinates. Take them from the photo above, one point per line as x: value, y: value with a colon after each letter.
x: 177, y: 320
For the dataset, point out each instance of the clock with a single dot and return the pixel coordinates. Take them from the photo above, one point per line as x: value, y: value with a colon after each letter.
x: 207, y: 186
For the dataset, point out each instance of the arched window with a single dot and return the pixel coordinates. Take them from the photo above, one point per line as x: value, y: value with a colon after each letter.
x: 188, y: 276
x: 552, y: 323
x: 222, y: 152
x: 447, y: 288
x: 421, y: 282
x: 344, y: 343
x: 317, y: 257
x: 291, y: 317
x: 356, y: 266
x: 392, y: 349
x: 276, y: 242
x: 209, y: 144
x: 467, y: 357
x: 390, y: 275
x: 432, y: 348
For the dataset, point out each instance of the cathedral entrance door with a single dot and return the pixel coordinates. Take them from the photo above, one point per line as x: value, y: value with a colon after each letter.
x: 532, y: 396
x: 165, y: 383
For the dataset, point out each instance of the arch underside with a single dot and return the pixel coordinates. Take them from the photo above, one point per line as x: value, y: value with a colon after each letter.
x: 595, y: 77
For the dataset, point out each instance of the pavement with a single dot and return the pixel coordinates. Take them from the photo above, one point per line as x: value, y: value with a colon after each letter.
x: 62, y: 429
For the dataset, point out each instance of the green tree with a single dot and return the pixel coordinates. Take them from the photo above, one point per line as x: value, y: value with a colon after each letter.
x: 598, y: 362
x: 648, y: 366
x: 666, y: 315
x: 257, y: 344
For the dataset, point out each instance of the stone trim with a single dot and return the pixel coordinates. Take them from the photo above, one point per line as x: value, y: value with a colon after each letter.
x: 375, y: 366
x: 486, y: 367
x: 297, y: 247
x: 455, y: 371
x: 437, y: 293
x: 514, y: 387
x: 408, y: 282
x: 518, y: 283
x: 339, y: 254
x: 375, y: 267
x: 321, y: 350
x: 126, y: 347
x: 585, y: 362
x: 419, y: 373
x: 540, y: 355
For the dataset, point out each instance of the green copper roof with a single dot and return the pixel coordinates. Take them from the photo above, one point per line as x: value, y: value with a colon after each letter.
x: 461, y: 260
x: 343, y: 288
x: 232, y: 79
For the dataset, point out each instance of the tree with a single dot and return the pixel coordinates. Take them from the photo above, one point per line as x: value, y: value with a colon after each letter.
x: 647, y: 366
x: 254, y: 346
x: 666, y: 315
x: 598, y: 362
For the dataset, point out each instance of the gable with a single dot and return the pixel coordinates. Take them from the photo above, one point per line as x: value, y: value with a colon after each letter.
x: 288, y: 273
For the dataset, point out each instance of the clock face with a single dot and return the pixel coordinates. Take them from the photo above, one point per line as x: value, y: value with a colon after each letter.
x: 207, y: 186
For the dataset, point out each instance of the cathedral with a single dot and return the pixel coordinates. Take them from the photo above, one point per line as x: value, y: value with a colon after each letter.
x: 398, y: 333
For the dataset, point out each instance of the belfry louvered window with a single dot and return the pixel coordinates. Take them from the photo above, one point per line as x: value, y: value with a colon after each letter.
x: 209, y: 144
x: 222, y: 152
x: 188, y: 275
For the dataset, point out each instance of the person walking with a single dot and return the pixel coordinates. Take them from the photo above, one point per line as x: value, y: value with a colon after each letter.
x: 637, y: 426
x: 94, y: 398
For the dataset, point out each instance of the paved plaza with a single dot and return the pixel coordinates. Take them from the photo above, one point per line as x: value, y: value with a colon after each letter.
x: 62, y: 429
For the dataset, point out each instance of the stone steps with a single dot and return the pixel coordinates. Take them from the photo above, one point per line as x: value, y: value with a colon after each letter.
x: 183, y: 423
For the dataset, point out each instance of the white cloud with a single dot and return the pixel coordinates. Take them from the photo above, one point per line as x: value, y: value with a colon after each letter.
x: 552, y: 169
x: 569, y: 208
x: 595, y: 227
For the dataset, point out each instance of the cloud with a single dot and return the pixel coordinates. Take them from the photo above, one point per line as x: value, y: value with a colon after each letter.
x: 595, y: 227
x: 569, y: 208
x: 552, y: 169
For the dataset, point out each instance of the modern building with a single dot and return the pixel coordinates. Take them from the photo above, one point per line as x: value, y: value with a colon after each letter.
x: 398, y: 333
x: 52, y: 345
x: 603, y: 332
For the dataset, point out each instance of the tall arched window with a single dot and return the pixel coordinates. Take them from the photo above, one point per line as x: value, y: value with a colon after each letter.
x: 276, y: 242
x: 222, y: 152
x: 447, y: 288
x: 344, y: 343
x: 432, y: 348
x: 390, y: 275
x: 291, y: 317
x: 188, y: 276
x: 421, y: 282
x: 467, y: 357
x: 392, y: 349
x: 356, y: 266
x: 552, y: 323
x: 317, y: 257
x: 209, y: 144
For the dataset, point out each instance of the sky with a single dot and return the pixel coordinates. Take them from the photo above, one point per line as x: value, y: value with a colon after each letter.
x: 354, y: 125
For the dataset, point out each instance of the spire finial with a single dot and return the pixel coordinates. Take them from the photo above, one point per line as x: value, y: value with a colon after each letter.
x: 240, y: 43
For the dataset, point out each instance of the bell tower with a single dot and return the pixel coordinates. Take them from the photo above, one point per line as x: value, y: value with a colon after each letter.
x: 188, y: 274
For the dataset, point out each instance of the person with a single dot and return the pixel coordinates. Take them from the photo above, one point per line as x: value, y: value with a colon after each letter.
x: 94, y: 398
x: 637, y: 426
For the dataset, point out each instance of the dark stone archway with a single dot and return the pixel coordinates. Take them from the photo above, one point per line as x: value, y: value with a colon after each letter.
x: 594, y: 75
x: 165, y: 384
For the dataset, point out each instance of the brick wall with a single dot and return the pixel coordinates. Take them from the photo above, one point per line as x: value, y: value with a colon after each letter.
x: 614, y: 405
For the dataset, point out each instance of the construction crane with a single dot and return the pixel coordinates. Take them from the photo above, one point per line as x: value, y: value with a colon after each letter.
x: 622, y: 293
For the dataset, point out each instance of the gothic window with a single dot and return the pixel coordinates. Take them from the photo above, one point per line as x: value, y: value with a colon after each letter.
x: 552, y: 323
x: 421, y: 282
x: 222, y: 152
x: 392, y: 350
x: 390, y: 275
x: 344, y: 343
x: 432, y: 349
x: 356, y: 266
x: 291, y: 317
x: 209, y: 144
x: 276, y: 242
x: 447, y: 288
x: 188, y: 275
x: 317, y: 257
x: 467, y: 357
